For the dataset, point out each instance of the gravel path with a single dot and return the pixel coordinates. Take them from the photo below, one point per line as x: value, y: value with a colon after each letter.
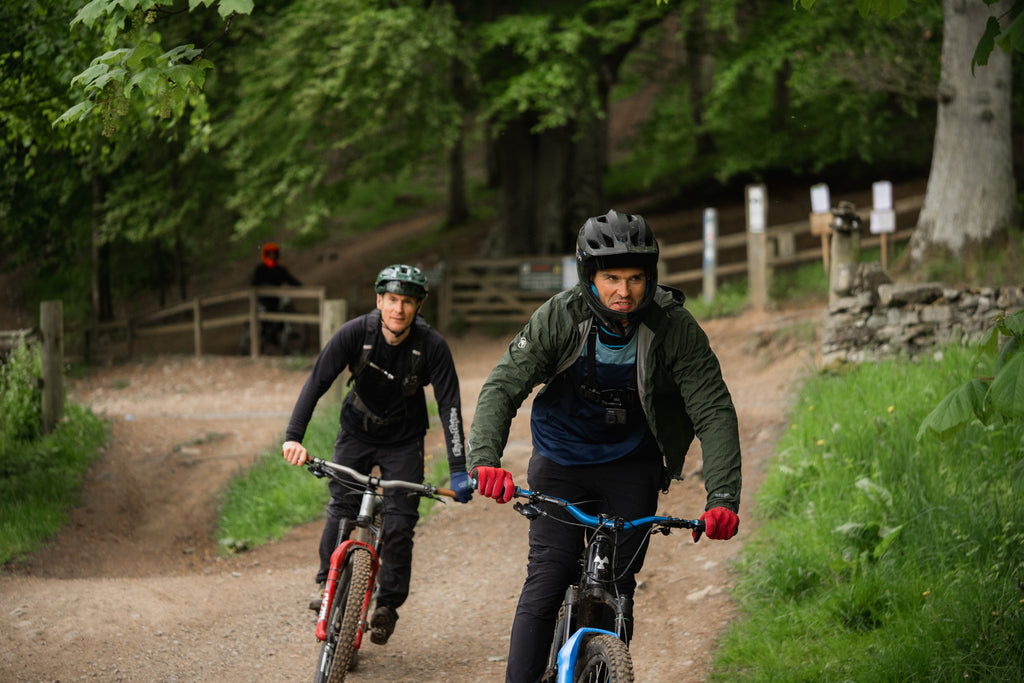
x: 135, y: 590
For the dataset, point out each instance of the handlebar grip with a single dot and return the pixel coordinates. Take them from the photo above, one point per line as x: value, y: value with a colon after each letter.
x: 446, y: 492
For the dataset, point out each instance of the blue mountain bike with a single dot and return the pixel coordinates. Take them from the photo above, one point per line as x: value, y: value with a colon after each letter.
x: 583, y: 651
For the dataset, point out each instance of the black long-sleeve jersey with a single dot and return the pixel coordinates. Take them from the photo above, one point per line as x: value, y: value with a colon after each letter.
x: 377, y: 410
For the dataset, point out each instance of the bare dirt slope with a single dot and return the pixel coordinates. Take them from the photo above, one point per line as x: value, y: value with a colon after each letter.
x: 134, y: 589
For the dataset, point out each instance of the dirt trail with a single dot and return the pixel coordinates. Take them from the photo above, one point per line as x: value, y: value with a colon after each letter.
x: 134, y: 589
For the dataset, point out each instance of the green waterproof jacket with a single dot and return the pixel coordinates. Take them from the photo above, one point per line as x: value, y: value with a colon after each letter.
x: 679, y: 382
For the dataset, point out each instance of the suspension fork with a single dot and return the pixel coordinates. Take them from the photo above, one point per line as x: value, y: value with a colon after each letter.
x: 331, y: 587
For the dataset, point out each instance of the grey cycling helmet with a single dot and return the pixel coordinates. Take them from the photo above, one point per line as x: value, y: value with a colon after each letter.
x: 615, y: 240
x: 402, y: 279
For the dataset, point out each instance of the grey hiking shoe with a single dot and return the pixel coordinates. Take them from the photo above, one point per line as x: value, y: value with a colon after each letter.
x: 382, y: 624
x: 317, y: 600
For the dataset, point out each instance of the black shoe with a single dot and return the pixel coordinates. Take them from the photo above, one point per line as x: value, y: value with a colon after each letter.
x: 315, y: 603
x: 382, y: 624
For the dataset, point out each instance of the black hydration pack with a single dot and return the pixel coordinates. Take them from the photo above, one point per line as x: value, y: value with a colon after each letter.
x: 410, y: 383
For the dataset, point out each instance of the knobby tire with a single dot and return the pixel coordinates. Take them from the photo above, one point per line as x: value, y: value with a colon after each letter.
x: 338, y: 653
x: 604, y: 659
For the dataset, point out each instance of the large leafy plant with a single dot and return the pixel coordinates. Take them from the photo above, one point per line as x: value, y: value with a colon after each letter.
x: 1000, y: 396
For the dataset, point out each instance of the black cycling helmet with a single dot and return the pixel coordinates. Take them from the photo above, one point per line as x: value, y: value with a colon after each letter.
x: 615, y: 240
x: 401, y: 279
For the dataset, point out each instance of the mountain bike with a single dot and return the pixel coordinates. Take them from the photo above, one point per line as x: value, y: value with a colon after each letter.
x: 352, y: 579
x: 582, y: 650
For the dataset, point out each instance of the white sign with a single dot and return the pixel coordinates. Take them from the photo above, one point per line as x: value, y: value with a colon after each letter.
x: 569, y: 275
x: 756, y: 208
x: 820, y: 201
x: 881, y: 193
x: 710, y: 235
x: 883, y: 221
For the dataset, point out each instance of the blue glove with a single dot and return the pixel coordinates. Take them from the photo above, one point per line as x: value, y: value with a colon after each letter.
x: 462, y: 486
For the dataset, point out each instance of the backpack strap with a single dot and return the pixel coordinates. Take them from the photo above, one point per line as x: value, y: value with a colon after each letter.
x: 369, y: 339
x: 412, y: 381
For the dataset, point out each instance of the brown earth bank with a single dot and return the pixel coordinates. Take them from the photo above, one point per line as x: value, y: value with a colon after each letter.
x: 134, y: 588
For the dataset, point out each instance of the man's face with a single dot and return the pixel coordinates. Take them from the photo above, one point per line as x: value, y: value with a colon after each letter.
x: 621, y: 289
x: 397, y: 311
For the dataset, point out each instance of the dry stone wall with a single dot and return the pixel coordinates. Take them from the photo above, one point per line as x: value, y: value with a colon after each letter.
x: 871, y: 316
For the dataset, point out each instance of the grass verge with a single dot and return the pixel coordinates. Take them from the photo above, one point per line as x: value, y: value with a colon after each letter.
x: 40, y: 480
x: 880, y: 558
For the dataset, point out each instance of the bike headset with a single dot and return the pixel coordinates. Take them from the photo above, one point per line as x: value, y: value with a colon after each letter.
x: 407, y: 281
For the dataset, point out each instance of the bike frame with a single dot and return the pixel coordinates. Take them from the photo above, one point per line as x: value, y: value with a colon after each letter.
x: 597, y: 571
x: 369, y: 505
x: 367, y: 510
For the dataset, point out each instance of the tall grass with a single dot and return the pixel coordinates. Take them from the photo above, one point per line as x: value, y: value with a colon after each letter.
x: 40, y: 480
x: 880, y: 558
x: 263, y: 502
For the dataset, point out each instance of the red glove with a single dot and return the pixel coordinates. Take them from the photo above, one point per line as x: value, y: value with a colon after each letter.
x: 495, y: 483
x: 721, y: 523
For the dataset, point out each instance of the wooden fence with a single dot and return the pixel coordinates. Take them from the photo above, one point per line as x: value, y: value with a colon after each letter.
x: 507, y: 291
x: 471, y: 292
x: 204, y: 315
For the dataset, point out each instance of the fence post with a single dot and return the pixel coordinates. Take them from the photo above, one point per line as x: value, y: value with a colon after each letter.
x: 197, y: 320
x: 254, y: 329
x: 757, y: 252
x: 334, y: 315
x: 51, y: 322
x: 710, y: 254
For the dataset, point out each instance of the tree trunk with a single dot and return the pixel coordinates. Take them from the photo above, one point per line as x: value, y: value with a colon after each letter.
x: 102, y: 308
x: 458, y: 206
x: 969, y: 203
x: 536, y: 172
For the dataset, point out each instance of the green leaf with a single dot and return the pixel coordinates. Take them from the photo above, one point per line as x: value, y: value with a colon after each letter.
x: 1007, y: 390
x: 146, y: 80
x: 1014, y: 324
x: 76, y: 112
x: 142, y: 51
x: 887, y: 539
x: 229, y: 7
x: 91, y: 13
x: 958, y: 408
x: 986, y: 44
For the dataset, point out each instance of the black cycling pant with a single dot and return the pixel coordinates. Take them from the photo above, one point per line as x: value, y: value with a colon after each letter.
x: 627, y: 487
x: 402, y: 461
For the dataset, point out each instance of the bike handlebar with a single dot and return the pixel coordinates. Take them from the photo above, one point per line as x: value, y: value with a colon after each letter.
x: 596, y: 522
x: 320, y: 468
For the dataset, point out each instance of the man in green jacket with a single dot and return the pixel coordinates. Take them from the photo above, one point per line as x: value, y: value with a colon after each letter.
x: 630, y: 380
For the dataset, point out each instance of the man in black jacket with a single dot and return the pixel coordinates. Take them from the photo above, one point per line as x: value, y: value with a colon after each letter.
x: 392, y: 353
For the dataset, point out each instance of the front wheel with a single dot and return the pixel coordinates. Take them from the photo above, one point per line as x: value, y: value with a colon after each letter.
x: 605, y: 659
x: 338, y: 654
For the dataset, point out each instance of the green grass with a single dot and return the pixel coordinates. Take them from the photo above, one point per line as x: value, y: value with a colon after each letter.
x: 263, y: 502
x: 40, y: 480
x: 879, y: 558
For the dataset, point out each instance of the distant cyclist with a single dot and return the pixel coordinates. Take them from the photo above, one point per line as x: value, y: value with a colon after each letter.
x: 392, y: 353
x: 629, y: 378
x: 270, y: 273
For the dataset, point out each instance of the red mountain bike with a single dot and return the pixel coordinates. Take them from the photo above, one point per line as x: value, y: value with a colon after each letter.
x: 352, y: 579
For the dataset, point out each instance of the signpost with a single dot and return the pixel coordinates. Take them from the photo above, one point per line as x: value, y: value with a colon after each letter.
x: 883, y: 217
x: 710, y: 254
x: 757, y: 252
x: 821, y: 216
